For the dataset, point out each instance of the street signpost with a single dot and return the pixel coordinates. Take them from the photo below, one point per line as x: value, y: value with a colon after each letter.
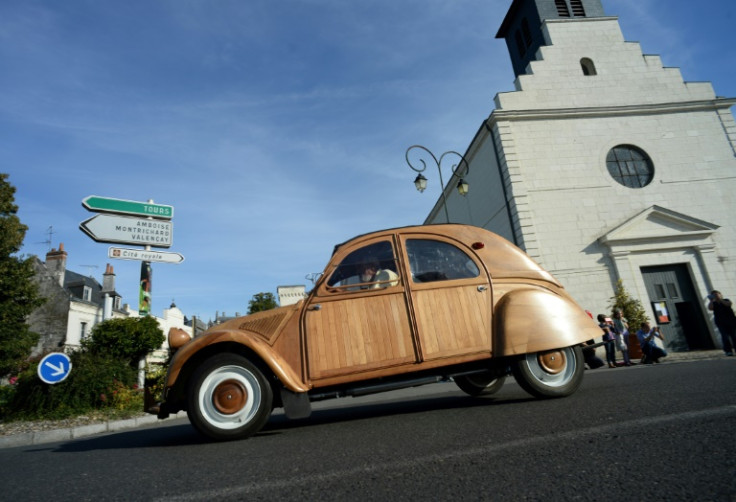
x: 122, y: 206
x: 54, y: 368
x: 128, y: 230
x: 144, y: 255
x: 131, y: 222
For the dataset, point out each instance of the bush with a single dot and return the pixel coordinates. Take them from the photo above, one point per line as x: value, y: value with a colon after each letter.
x: 128, y: 339
x: 103, y: 376
x: 632, y: 310
x: 97, y: 381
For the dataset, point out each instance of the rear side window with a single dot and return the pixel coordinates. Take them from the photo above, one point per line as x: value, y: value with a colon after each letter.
x: 438, y: 261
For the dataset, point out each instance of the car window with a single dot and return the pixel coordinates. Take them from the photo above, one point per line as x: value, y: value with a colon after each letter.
x: 438, y: 261
x: 370, y: 267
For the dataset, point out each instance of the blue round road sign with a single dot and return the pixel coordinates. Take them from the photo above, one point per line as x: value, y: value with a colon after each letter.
x: 54, y: 368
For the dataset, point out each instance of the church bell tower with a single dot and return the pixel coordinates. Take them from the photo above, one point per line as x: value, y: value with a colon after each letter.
x: 522, y: 26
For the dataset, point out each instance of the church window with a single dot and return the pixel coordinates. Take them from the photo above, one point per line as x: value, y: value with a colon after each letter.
x: 562, y: 8
x: 526, y: 32
x: 588, y: 67
x: 577, y: 8
x: 630, y: 166
x: 520, y: 43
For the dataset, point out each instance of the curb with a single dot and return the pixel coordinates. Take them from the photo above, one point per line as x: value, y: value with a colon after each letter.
x: 52, y: 436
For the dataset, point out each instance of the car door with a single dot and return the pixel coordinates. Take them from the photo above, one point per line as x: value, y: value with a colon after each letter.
x: 450, y: 295
x: 352, y: 325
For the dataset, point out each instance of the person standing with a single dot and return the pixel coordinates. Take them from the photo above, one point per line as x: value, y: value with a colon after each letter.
x: 621, y: 330
x: 725, y: 320
x: 609, y: 338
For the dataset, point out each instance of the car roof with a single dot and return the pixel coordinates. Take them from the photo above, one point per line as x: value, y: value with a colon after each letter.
x: 501, y: 257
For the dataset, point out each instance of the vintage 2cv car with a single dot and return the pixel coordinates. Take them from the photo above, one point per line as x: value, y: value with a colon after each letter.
x: 393, y: 309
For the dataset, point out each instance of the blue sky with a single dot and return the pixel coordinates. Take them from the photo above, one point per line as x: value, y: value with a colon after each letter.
x: 276, y: 129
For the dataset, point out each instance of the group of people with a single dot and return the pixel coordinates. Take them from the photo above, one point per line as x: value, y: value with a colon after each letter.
x: 616, y: 337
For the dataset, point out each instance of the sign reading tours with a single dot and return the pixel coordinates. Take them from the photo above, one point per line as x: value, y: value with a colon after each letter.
x: 143, y: 255
x: 121, y: 206
x: 127, y: 230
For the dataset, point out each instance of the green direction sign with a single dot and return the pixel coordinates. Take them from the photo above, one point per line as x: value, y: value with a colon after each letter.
x: 120, y: 206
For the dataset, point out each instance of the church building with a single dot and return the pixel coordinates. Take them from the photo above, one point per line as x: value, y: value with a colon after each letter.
x: 604, y: 165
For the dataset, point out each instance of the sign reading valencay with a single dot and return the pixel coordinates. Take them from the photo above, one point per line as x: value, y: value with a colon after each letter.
x: 129, y: 230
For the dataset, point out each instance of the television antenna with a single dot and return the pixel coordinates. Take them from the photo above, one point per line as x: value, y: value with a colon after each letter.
x: 89, y: 267
x: 50, y: 232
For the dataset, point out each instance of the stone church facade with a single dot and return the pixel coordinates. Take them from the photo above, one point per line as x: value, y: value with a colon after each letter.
x: 604, y: 165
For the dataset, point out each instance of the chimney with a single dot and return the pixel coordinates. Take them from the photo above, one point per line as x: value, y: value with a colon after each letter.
x: 56, y: 263
x: 108, y: 280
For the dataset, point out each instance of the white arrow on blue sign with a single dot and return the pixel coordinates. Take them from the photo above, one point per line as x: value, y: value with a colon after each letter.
x: 54, y: 368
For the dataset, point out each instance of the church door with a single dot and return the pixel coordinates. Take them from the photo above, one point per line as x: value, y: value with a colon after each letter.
x: 674, y: 306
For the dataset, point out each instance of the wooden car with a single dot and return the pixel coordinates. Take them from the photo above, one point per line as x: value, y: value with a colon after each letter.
x: 393, y: 309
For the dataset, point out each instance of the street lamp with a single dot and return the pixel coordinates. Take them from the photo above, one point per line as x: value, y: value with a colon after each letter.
x: 421, y: 182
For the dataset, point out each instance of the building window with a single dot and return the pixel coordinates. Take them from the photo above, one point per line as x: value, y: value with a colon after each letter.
x: 87, y: 294
x: 520, y: 43
x: 526, y: 32
x: 577, y: 8
x: 83, y: 331
x: 630, y: 166
x: 588, y: 67
x: 116, y: 302
x: 562, y: 8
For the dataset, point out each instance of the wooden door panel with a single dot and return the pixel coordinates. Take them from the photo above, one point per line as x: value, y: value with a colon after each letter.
x: 352, y: 335
x: 453, y: 321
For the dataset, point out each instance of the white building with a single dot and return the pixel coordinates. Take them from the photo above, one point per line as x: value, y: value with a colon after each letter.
x: 76, y: 303
x: 605, y: 165
x: 289, y: 295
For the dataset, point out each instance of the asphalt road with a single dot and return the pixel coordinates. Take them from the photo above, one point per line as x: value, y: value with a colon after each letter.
x: 663, y: 432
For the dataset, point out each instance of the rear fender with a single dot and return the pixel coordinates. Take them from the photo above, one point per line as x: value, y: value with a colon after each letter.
x: 535, y: 320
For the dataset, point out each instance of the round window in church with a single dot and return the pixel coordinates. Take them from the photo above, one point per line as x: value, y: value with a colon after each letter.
x: 630, y: 166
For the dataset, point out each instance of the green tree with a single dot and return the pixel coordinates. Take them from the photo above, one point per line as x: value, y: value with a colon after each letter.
x: 261, y: 302
x: 631, y: 308
x: 128, y: 339
x: 18, y: 292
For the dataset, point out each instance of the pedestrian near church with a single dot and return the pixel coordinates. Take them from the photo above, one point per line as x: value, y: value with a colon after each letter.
x: 610, y: 338
x: 725, y: 320
x: 621, y: 330
x: 646, y: 335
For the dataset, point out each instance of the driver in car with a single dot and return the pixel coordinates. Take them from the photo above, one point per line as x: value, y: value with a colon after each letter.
x: 372, y: 276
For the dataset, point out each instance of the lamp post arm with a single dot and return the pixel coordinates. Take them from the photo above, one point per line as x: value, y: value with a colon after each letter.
x: 455, y: 169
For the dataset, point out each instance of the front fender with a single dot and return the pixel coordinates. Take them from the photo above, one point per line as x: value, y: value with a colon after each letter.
x: 285, y: 373
x: 534, y: 320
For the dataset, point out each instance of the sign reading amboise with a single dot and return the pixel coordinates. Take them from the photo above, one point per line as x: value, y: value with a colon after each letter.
x: 127, y: 230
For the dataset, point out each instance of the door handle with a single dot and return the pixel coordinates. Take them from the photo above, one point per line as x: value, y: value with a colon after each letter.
x: 482, y: 288
x: 315, y: 307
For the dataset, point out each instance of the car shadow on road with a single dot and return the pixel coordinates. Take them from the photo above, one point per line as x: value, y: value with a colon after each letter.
x: 182, y: 435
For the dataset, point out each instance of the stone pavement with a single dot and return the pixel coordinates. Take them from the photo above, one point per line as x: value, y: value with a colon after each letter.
x: 69, y: 433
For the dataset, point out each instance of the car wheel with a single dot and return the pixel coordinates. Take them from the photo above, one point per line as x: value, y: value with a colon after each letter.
x: 551, y: 373
x: 229, y: 398
x: 480, y: 384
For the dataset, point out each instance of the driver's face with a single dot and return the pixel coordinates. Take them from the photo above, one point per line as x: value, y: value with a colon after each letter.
x: 367, y: 271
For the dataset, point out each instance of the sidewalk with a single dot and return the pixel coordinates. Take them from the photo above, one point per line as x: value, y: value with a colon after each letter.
x: 69, y: 433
